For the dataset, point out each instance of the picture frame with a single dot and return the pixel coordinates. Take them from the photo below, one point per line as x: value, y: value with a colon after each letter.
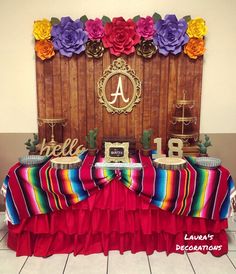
x: 119, y: 68
x: 117, y: 152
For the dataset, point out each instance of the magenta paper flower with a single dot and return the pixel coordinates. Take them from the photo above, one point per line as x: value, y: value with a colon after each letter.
x: 170, y: 35
x: 145, y: 27
x: 95, y: 29
x: 69, y: 36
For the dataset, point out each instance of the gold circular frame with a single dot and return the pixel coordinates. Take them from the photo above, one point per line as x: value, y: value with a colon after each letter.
x: 119, y: 66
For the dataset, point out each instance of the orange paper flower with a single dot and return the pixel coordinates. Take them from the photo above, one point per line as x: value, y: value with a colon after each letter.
x: 44, y: 49
x: 195, y: 48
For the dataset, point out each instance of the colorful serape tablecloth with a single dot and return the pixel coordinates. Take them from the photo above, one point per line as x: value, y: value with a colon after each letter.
x: 192, y: 191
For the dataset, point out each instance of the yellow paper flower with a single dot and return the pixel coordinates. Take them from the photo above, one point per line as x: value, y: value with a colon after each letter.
x: 194, y: 48
x: 44, y: 49
x: 42, y: 29
x: 196, y: 28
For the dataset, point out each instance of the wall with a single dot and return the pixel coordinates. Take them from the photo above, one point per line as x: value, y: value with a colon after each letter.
x: 17, y: 65
x: 64, y: 91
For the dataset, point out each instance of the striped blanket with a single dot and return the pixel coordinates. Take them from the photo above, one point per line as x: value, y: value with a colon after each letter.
x: 194, y: 191
x: 190, y: 192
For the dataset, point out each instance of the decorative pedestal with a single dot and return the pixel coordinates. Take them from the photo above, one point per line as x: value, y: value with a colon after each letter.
x: 183, y: 126
x: 52, y: 122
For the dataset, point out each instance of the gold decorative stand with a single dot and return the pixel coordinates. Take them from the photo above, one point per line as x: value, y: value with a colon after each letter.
x: 183, y: 125
x: 52, y: 122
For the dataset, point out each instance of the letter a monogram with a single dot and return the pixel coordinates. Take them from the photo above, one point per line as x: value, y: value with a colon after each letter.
x: 119, y: 99
x: 119, y: 92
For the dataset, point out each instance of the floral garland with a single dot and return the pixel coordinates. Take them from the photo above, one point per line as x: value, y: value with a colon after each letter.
x: 145, y: 35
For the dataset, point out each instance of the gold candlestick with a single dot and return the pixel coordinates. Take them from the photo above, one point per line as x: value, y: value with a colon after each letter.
x: 52, y: 123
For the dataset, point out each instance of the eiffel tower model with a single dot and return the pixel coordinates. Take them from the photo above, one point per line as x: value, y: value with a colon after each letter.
x: 183, y: 125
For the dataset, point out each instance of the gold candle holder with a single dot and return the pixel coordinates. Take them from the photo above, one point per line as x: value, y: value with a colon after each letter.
x: 52, y: 122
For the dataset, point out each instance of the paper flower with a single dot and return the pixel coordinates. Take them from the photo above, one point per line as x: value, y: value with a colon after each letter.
x: 69, y: 36
x: 145, y: 27
x: 42, y: 29
x: 170, y: 35
x: 146, y: 49
x: 44, y: 49
x: 195, y: 48
x: 94, y: 49
x: 94, y: 29
x: 196, y: 28
x: 120, y: 36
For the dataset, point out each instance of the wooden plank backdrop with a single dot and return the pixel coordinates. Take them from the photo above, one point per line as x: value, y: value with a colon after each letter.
x: 67, y: 88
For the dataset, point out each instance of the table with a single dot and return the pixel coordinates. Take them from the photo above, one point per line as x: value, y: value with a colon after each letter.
x: 91, y: 211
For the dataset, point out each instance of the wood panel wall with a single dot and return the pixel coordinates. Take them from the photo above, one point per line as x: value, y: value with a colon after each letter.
x: 67, y: 87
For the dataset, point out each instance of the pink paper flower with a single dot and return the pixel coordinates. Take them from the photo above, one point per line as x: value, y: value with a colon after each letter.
x: 145, y: 27
x: 95, y: 29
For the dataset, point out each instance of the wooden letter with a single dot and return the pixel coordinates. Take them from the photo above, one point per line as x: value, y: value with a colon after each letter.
x: 158, y: 154
x: 43, y: 148
x: 72, y: 145
x: 175, y: 148
x: 65, y: 146
x: 79, y: 149
x: 56, y: 150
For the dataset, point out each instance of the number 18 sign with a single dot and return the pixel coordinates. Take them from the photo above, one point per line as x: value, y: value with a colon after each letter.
x: 175, y: 147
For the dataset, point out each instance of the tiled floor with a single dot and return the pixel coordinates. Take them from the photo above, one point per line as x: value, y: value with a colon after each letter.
x: 140, y: 263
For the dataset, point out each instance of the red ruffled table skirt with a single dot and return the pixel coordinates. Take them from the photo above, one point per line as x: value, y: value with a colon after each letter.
x: 113, y: 219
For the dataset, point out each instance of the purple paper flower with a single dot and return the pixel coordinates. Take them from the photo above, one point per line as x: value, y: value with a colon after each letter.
x: 95, y: 29
x: 145, y: 27
x: 170, y: 35
x: 69, y: 36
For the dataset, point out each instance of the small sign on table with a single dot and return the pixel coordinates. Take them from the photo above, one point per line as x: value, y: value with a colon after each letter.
x: 116, y: 152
